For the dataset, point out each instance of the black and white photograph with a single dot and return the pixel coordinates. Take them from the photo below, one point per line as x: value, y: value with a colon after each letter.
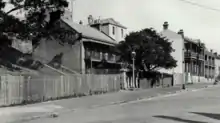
x: 109, y: 61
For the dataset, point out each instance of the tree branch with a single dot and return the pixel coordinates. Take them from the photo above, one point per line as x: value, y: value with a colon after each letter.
x: 22, y: 6
x: 14, y: 9
x: 154, y: 67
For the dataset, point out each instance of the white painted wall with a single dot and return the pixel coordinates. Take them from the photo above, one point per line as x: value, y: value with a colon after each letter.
x: 118, y: 35
x: 178, y: 54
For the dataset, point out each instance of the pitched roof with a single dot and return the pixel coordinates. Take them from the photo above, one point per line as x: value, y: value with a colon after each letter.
x: 89, y: 32
x: 111, y: 21
x: 191, y: 40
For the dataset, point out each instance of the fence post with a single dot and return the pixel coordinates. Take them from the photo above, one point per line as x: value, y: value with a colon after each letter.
x: 44, y: 84
x: 162, y: 80
x: 28, y: 88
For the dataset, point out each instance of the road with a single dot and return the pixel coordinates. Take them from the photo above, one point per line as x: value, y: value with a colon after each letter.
x: 201, y: 106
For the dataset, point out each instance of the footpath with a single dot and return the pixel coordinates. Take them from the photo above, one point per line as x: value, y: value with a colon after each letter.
x: 55, y: 108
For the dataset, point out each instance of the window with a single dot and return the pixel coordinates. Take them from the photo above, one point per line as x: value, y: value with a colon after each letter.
x: 122, y: 33
x: 205, y: 57
x: 113, y: 30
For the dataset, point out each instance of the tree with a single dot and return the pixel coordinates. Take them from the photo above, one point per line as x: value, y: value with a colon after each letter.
x: 152, y: 51
x: 40, y: 21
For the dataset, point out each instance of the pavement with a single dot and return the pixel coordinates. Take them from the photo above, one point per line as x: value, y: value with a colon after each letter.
x: 52, y: 109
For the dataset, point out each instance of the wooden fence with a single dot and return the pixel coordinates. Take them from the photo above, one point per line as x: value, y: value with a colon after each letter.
x: 25, y: 88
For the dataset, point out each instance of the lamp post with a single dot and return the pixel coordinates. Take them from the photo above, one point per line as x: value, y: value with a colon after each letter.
x: 133, y: 54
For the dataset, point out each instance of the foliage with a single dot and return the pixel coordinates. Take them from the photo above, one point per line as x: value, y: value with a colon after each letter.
x: 152, y: 50
x: 40, y: 18
x: 39, y: 22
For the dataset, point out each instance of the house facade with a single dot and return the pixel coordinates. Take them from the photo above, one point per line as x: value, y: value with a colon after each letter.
x: 93, y: 53
x: 194, y: 62
x: 110, y: 27
x: 217, y: 65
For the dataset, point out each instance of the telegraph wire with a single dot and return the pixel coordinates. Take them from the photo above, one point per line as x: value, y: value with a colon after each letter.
x: 200, y: 5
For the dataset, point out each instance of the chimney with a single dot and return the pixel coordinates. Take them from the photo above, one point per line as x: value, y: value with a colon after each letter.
x: 181, y: 32
x: 165, y: 25
x: 90, y: 20
x: 80, y: 22
x: 211, y: 50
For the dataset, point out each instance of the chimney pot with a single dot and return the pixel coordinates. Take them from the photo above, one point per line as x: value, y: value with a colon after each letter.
x: 165, y: 25
x: 181, y: 32
x: 90, y: 20
x: 80, y: 22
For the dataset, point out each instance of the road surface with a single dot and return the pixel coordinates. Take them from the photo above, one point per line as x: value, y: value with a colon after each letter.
x: 201, y: 106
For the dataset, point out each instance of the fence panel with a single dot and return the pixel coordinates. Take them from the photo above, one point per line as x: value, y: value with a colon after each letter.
x: 30, y: 88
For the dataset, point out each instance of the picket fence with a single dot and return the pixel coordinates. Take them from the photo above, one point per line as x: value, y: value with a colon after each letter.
x: 21, y: 89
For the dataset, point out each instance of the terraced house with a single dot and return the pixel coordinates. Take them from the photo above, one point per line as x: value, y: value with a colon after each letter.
x: 195, y: 63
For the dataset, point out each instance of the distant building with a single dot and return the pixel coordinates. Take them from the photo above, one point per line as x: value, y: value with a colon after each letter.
x: 196, y: 62
x: 110, y: 27
x: 217, y: 65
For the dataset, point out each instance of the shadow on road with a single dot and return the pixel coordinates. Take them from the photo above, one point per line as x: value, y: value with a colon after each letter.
x: 210, y: 115
x: 178, y: 119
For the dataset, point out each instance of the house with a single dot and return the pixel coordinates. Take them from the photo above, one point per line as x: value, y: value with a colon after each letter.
x: 92, y: 53
x: 110, y: 27
x: 217, y: 65
x: 178, y: 54
x: 194, y: 61
x: 210, y: 65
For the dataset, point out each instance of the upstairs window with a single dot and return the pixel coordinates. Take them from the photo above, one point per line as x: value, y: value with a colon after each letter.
x: 205, y: 57
x: 113, y: 30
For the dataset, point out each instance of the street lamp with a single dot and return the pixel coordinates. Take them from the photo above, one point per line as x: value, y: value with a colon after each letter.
x: 133, y: 55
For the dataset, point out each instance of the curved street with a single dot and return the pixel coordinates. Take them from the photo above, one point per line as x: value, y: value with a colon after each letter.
x: 201, y: 106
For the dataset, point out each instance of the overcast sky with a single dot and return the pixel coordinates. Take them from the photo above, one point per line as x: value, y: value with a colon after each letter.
x: 196, y: 22
x: 138, y: 14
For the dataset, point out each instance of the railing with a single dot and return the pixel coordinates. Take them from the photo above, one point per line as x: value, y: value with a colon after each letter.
x: 100, y: 56
x: 193, y: 55
x: 111, y: 57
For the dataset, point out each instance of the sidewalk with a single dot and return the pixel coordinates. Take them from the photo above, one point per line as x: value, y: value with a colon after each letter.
x: 29, y: 112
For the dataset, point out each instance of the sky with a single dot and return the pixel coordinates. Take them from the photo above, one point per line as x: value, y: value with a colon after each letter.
x: 197, y: 22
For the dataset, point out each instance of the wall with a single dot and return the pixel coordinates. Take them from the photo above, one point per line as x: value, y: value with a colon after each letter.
x: 178, y: 54
x: 117, y: 36
x: 23, y: 46
x: 71, y: 54
x: 105, y: 29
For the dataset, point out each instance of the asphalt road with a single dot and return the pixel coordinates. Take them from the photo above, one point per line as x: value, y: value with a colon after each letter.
x: 201, y: 106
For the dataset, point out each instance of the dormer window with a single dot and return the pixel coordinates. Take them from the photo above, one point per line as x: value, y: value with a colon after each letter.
x: 113, y: 30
